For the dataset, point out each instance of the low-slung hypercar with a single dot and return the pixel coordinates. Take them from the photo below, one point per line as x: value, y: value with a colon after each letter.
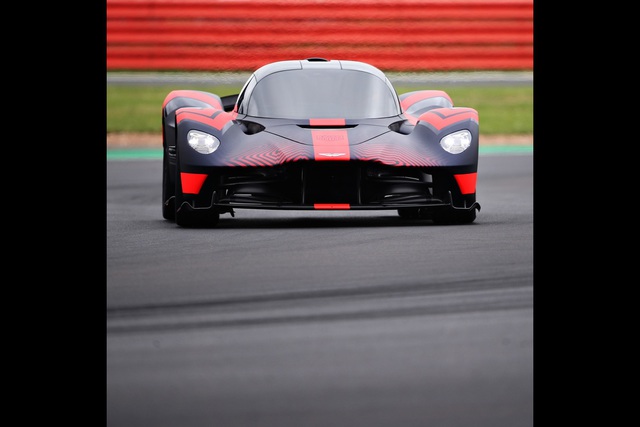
x: 318, y: 134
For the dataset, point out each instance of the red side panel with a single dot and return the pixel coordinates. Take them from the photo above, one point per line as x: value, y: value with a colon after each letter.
x: 330, y: 145
x: 467, y: 182
x: 331, y: 206
x: 192, y: 182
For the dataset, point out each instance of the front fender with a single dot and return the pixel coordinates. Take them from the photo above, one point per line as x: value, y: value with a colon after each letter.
x: 179, y: 99
x: 437, y: 123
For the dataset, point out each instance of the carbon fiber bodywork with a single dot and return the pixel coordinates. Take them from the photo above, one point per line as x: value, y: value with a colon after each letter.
x: 312, y: 159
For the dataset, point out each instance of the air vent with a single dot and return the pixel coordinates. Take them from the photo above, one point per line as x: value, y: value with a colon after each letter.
x: 250, y: 128
x: 327, y: 126
x: 317, y: 60
x: 403, y: 127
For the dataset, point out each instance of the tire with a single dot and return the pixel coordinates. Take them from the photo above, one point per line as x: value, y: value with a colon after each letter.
x: 168, y: 192
x: 450, y: 216
x: 409, y: 213
x: 197, y: 219
x: 414, y: 213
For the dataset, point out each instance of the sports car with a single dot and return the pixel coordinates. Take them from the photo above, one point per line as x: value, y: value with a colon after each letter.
x: 318, y: 134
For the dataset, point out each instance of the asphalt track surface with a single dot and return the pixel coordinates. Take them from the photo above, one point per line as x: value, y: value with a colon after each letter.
x: 325, y: 319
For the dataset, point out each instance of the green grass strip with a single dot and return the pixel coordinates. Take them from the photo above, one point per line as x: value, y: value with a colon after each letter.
x: 506, y: 149
x: 134, y: 154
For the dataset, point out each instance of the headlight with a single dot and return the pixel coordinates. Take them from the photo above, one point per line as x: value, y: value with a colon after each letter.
x: 456, y: 142
x: 202, y: 142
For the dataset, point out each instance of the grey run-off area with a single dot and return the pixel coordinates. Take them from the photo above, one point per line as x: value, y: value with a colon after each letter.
x: 397, y: 78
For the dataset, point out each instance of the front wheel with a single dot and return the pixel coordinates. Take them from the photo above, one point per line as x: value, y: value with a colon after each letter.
x: 168, y: 191
x: 452, y: 216
x: 414, y: 213
x: 409, y: 213
x: 197, y: 219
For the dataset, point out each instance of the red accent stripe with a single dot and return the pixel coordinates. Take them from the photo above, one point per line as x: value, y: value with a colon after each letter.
x: 192, y: 182
x: 327, y: 122
x: 222, y: 119
x: 467, y: 182
x: 424, y: 94
x: 206, y: 112
x: 330, y: 145
x: 412, y: 119
x: 204, y: 97
x: 332, y: 206
x: 442, y: 117
x: 217, y: 122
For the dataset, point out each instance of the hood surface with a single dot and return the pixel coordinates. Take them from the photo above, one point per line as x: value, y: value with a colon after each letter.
x: 329, y: 135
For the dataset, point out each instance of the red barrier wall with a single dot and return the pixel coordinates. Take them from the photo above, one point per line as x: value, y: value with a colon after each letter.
x: 242, y: 35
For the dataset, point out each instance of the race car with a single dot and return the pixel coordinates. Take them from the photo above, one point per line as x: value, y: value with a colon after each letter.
x: 318, y: 134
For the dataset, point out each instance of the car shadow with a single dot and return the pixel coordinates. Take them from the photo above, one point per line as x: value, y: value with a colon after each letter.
x: 308, y: 222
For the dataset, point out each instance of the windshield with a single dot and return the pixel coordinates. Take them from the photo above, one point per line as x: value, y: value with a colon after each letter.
x: 304, y: 94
